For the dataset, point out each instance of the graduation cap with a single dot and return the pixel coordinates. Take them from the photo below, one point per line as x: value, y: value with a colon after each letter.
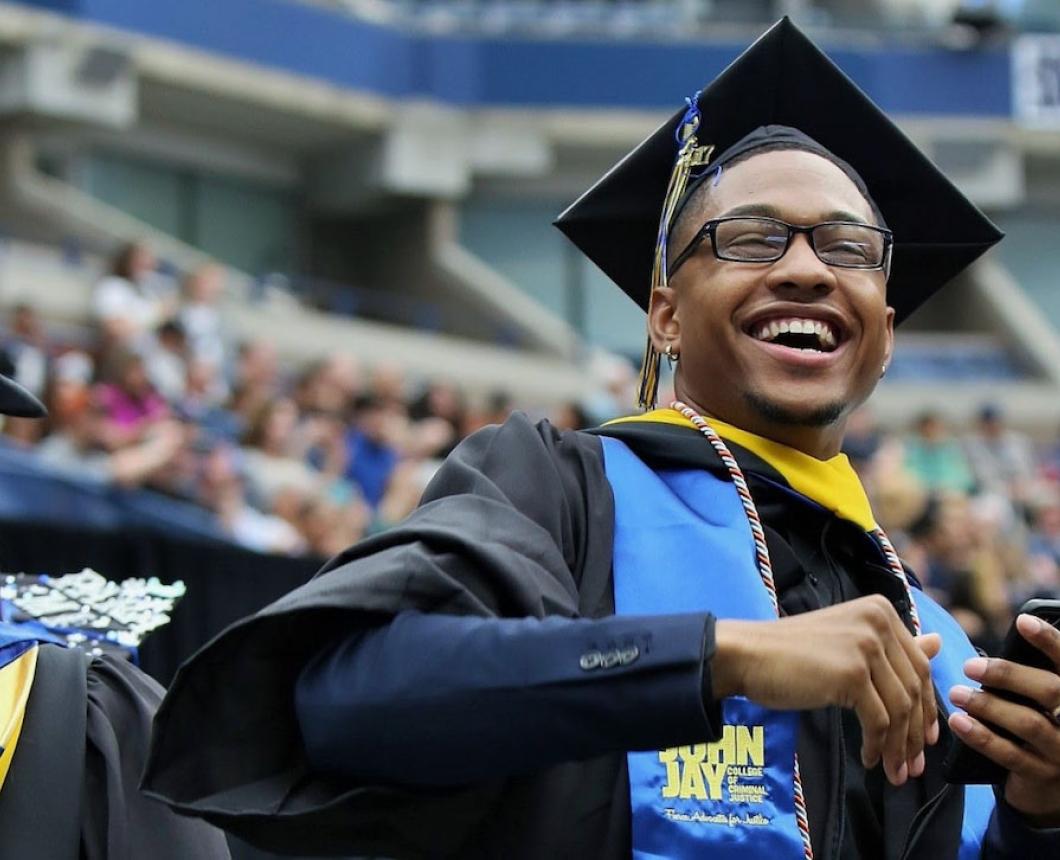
x: 783, y: 79
x: 17, y: 401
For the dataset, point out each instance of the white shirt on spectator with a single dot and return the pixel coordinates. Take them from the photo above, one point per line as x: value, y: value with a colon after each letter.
x: 205, y: 333
x: 142, y: 306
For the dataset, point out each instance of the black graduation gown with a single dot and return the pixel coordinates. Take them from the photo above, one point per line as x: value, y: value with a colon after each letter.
x: 519, y: 522
x: 72, y: 789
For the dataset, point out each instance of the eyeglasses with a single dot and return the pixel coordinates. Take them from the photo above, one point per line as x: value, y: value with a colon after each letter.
x: 845, y: 244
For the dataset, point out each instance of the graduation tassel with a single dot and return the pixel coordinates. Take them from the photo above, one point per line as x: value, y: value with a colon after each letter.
x: 689, y: 155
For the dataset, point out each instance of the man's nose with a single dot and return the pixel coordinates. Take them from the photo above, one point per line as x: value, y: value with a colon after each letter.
x: 801, y: 269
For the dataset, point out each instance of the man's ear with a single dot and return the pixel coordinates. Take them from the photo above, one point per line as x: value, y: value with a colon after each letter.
x: 664, y: 321
x: 890, y: 338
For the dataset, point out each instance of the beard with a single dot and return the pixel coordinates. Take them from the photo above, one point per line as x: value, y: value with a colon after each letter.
x: 821, y: 416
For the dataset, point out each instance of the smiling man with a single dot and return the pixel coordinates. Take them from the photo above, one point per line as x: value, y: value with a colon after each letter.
x: 681, y: 634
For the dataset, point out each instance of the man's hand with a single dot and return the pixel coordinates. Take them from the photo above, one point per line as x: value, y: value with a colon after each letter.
x: 1033, y: 784
x: 856, y: 655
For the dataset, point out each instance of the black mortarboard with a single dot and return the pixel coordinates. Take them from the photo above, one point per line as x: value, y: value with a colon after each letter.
x: 17, y: 402
x: 784, y: 79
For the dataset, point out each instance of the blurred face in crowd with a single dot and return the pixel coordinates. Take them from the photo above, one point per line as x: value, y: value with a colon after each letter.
x: 279, y: 425
x: 204, y: 285
x: 373, y: 420
x: 258, y: 363
x: 444, y: 401
x: 134, y: 377
x: 931, y: 428
x: 716, y: 311
x: 26, y: 324
x: 140, y: 261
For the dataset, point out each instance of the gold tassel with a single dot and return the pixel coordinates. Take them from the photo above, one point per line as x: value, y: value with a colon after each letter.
x: 689, y: 156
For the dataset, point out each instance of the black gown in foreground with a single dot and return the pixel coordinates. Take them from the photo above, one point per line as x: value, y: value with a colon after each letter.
x: 72, y: 792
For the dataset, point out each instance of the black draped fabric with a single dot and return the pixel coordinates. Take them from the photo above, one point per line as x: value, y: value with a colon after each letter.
x: 72, y: 792
x: 486, y: 541
x: 519, y: 522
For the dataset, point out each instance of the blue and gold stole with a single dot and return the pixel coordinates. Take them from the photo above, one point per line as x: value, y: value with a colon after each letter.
x: 18, y: 666
x: 682, y: 543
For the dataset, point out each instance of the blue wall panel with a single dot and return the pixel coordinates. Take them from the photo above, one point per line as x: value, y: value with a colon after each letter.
x: 488, y: 71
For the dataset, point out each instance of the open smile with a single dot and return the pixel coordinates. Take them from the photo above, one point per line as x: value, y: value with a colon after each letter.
x: 801, y: 340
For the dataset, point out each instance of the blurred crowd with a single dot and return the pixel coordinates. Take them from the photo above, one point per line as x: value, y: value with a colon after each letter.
x: 158, y: 395
x: 308, y: 460
x: 975, y: 512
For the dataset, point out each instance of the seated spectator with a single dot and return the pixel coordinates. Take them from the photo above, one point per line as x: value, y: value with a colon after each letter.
x: 221, y: 489
x: 167, y: 366
x: 75, y: 450
x: 443, y: 401
x: 272, y: 459
x: 128, y: 402
x: 403, y: 492
x: 132, y: 301
x: 27, y: 347
x: 329, y: 527
x: 328, y: 386
x: 935, y: 458
x: 257, y: 379
x: 387, y: 382
x: 200, y: 315
x: 203, y: 402
x: 24, y: 358
x: 1002, y: 459
x: 862, y: 441
x: 372, y: 455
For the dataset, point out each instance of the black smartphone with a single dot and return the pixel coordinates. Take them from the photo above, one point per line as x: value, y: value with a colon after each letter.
x: 965, y: 766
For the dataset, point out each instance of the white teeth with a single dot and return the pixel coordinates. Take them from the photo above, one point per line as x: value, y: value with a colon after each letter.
x: 825, y: 333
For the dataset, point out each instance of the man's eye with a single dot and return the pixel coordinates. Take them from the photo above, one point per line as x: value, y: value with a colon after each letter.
x: 848, y: 249
x: 763, y: 240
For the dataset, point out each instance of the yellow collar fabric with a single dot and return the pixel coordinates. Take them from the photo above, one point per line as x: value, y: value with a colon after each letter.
x: 832, y: 483
x: 16, y: 680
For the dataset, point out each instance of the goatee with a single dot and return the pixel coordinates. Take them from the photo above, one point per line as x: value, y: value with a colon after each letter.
x: 822, y: 416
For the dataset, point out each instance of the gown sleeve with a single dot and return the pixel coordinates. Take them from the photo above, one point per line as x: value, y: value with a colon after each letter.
x: 517, y: 523
x: 435, y: 700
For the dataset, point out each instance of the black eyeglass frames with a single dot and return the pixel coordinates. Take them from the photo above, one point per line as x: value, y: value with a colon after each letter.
x: 743, y: 239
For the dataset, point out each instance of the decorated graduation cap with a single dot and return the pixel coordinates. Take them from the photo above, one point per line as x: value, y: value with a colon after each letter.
x: 17, y: 401
x: 783, y: 80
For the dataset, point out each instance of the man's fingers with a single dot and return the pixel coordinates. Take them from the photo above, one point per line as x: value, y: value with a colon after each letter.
x: 913, y: 672
x: 899, y: 706
x: 1040, y: 685
x: 1041, y: 635
x: 874, y: 725
x: 1010, y: 756
x: 1028, y: 724
x: 930, y: 644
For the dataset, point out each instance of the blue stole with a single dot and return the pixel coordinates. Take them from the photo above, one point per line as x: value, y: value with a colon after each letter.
x: 682, y: 544
x: 17, y: 639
